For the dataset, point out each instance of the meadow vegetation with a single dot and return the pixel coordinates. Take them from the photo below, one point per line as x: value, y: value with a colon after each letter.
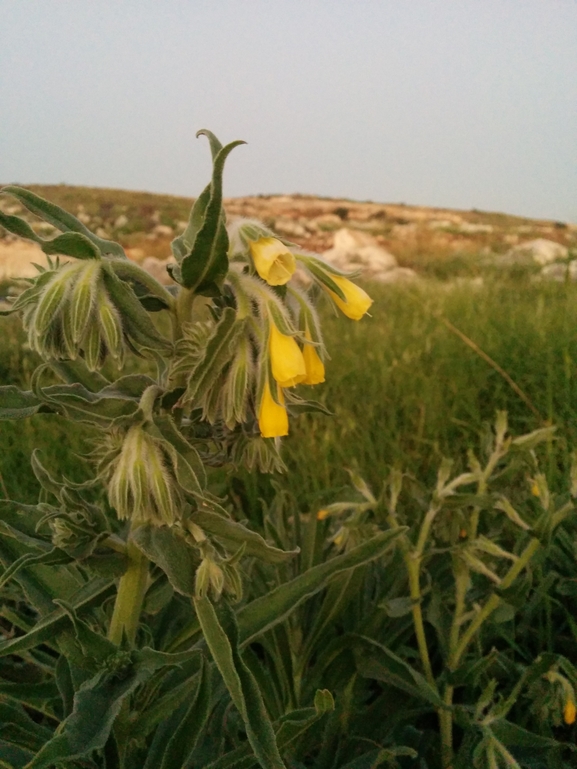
x: 455, y: 647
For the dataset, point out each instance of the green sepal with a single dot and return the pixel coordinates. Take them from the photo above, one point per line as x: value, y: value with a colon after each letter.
x: 62, y: 220
x: 204, y: 265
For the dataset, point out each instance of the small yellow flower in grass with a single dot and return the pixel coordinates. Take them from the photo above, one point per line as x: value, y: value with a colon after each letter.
x: 286, y: 359
x: 315, y: 368
x: 569, y: 712
x: 272, y: 416
x: 272, y: 260
x: 357, y: 301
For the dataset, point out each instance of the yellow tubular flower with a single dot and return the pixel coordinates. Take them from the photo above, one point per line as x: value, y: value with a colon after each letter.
x: 357, y: 301
x: 272, y: 416
x: 314, y: 366
x: 287, y: 361
x: 569, y: 712
x: 272, y: 260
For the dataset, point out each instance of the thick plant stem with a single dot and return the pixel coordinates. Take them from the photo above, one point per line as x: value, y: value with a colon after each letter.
x: 130, y: 596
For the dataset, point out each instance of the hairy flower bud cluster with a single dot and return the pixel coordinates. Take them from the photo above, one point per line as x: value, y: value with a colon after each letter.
x: 270, y: 341
x: 82, y: 308
x: 289, y: 350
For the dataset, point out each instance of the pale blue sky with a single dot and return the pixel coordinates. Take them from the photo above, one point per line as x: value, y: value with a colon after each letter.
x: 459, y: 103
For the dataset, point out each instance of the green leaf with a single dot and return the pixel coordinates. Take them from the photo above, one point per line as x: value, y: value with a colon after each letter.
x: 90, y: 594
x: 516, y: 736
x: 62, y: 220
x: 374, y: 660
x: 76, y: 371
x: 204, y: 268
x: 245, y: 694
x: 217, y: 353
x: 183, y: 739
x: 51, y: 558
x: 115, y: 403
x: 270, y: 609
x: 17, y: 404
x: 29, y: 694
x: 71, y: 244
x: 232, y: 535
x: 136, y: 321
x: 168, y: 549
x: 18, y: 226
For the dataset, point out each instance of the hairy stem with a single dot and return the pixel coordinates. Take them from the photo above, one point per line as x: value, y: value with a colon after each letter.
x: 130, y: 596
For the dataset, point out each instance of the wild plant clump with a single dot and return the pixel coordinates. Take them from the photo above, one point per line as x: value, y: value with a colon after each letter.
x: 149, y: 621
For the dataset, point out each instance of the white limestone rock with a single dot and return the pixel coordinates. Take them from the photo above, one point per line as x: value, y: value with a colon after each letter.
x: 354, y: 250
x: 539, y: 251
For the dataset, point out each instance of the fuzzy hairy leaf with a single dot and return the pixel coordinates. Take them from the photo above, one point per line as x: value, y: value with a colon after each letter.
x: 168, y: 549
x: 204, y: 267
x: 233, y: 535
x: 221, y: 634
x: 270, y: 609
x: 62, y: 220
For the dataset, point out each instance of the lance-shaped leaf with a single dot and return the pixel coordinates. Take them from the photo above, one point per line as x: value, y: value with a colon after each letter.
x: 270, y: 609
x: 98, y: 702
x: 62, y: 220
x: 168, y: 549
x: 93, y: 592
x: 73, y: 244
x: 18, y: 404
x: 377, y: 661
x: 137, y: 324
x: 287, y: 729
x: 177, y: 735
x: 217, y: 354
x: 221, y: 634
x: 203, y: 269
x: 183, y: 243
x: 18, y: 226
x: 233, y: 535
x: 114, y: 403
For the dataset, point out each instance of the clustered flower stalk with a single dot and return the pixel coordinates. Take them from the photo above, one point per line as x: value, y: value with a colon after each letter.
x: 234, y: 369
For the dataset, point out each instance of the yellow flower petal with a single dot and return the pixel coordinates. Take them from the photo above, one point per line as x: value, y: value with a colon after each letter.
x: 357, y: 301
x: 272, y: 417
x: 315, y: 368
x: 272, y: 260
x: 569, y: 712
x: 287, y: 361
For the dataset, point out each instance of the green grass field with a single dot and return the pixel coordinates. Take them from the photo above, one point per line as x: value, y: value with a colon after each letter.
x: 405, y: 390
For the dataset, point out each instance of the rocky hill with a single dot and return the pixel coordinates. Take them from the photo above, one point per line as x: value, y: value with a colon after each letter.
x: 388, y: 241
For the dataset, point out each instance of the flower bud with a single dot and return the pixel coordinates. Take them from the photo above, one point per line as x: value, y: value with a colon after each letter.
x: 287, y: 361
x: 356, y: 302
x: 315, y: 369
x: 142, y: 487
x: 209, y: 577
x: 272, y: 416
